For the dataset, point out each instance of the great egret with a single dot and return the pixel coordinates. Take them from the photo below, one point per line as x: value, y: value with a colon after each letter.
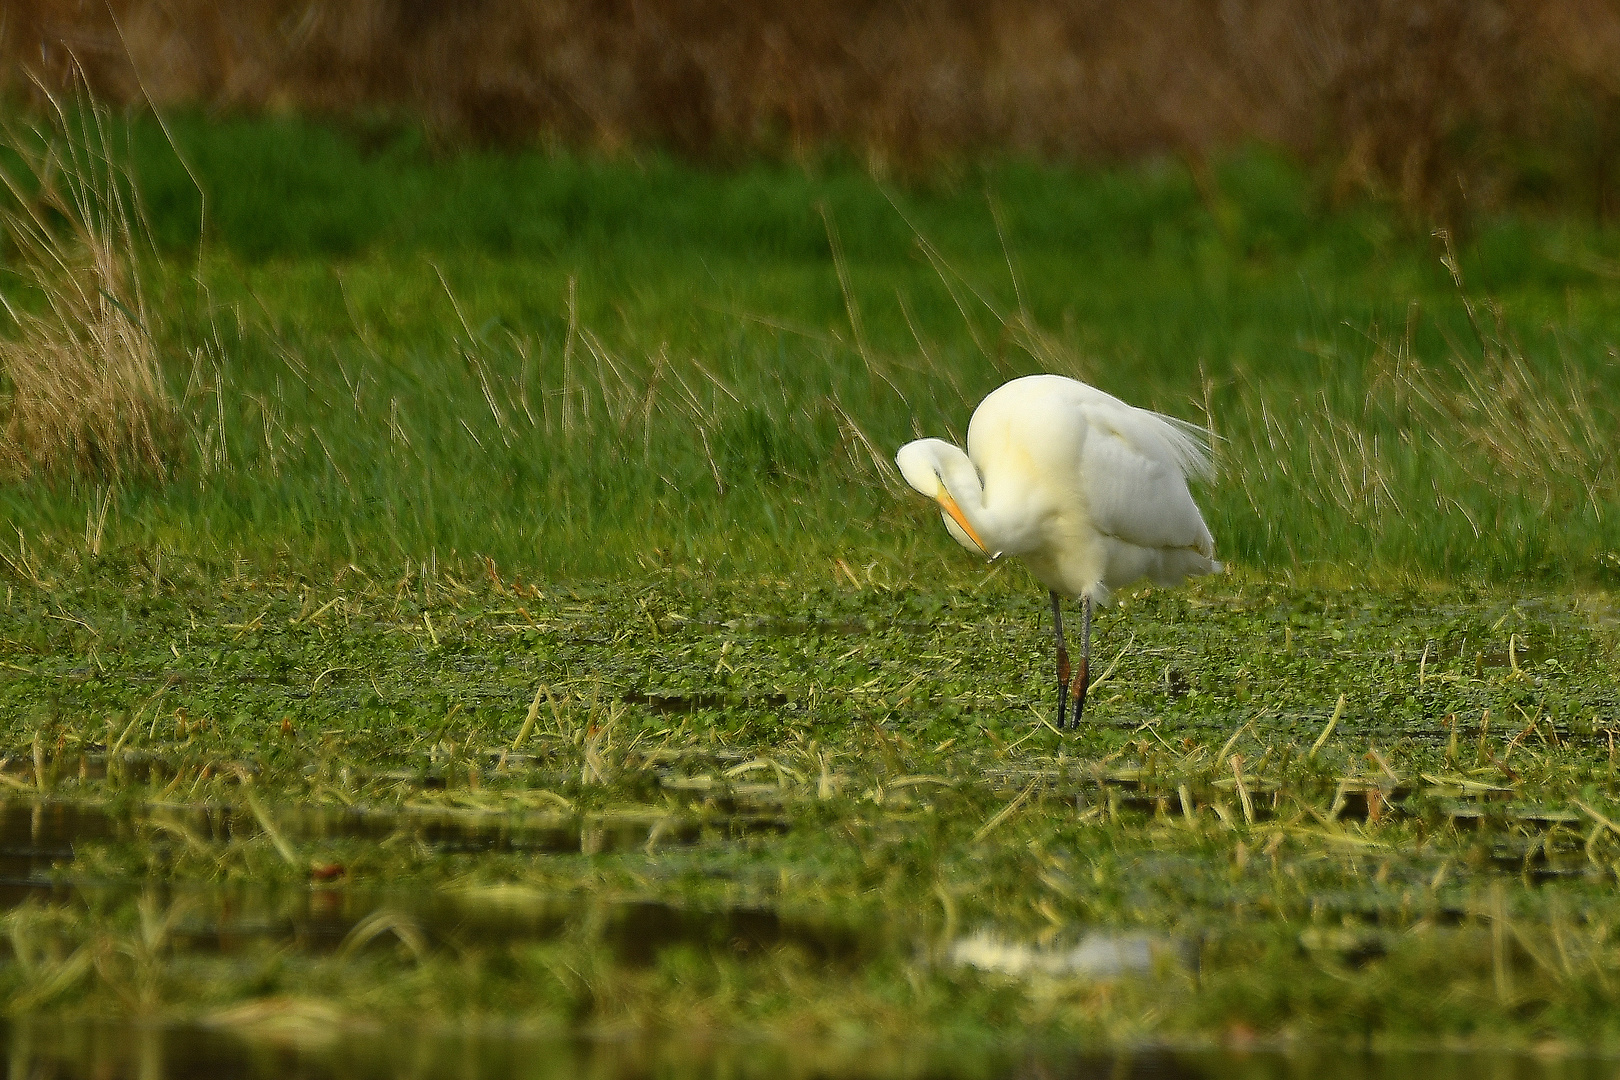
x: 1090, y: 492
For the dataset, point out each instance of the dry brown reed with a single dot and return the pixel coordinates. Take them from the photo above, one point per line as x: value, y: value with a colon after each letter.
x: 1410, y: 99
x: 81, y: 392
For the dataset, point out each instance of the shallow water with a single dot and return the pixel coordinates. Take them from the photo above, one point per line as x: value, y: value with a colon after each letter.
x: 38, y: 841
x: 304, y: 1041
x: 1349, y: 822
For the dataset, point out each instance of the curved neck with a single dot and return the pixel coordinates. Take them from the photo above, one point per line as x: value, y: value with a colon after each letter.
x: 1003, y: 532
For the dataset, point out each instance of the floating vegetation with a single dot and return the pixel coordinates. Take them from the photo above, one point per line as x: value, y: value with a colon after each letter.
x: 282, y: 792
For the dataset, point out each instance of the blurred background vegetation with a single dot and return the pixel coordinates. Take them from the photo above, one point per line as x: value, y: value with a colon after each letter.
x: 1442, y: 105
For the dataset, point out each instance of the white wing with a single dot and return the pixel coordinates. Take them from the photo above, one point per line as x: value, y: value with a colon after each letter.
x: 1046, y: 439
x: 1133, y: 476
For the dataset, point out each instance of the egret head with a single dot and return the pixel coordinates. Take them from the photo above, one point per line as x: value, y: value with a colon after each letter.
x: 933, y: 467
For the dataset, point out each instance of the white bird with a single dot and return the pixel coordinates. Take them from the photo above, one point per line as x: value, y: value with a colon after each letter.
x: 1091, y: 493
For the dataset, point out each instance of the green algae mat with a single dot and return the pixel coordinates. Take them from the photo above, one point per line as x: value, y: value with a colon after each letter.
x: 837, y: 817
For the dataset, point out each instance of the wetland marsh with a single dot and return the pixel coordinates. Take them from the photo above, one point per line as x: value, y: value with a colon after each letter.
x: 529, y: 646
x: 692, y: 805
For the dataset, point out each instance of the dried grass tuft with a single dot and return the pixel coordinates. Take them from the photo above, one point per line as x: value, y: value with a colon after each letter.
x: 1508, y: 424
x: 81, y: 390
x: 1462, y: 433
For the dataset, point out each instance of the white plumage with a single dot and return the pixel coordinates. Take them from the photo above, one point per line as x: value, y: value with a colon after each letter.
x: 1091, y: 493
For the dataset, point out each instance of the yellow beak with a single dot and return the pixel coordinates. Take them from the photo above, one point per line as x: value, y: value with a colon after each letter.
x: 948, y: 504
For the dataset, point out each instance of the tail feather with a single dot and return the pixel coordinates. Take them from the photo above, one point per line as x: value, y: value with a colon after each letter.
x: 1190, y: 445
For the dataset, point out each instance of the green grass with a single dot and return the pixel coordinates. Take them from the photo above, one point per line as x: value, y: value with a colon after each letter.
x: 581, y: 367
x: 534, y: 567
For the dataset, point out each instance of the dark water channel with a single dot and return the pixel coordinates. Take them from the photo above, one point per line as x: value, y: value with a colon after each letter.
x: 38, y: 842
x: 35, y: 835
x: 301, y: 1048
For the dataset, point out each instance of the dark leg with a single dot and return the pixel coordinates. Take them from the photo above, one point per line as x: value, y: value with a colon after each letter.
x: 1062, y: 659
x: 1082, y: 678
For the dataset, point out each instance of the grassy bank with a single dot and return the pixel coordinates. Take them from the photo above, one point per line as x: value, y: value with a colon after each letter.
x: 582, y: 366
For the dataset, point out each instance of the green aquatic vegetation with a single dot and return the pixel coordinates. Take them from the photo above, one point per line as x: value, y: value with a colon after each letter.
x: 689, y: 802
